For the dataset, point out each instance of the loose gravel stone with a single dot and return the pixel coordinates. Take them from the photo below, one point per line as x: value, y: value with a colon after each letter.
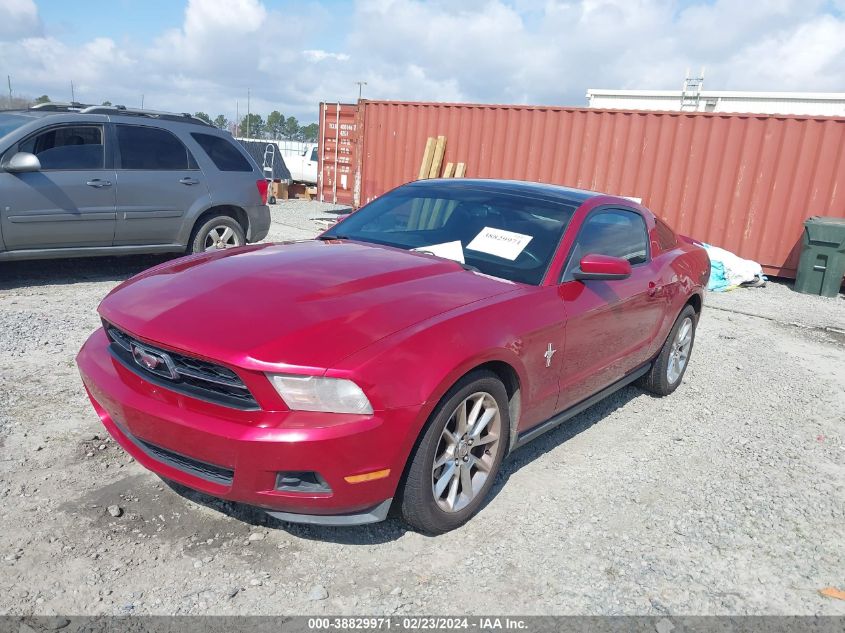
x: 318, y: 592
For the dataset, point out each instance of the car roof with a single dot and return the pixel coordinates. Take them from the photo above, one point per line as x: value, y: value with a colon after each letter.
x: 119, y: 113
x: 32, y: 114
x: 516, y: 187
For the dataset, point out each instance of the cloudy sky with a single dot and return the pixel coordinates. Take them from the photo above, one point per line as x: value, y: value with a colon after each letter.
x: 205, y: 54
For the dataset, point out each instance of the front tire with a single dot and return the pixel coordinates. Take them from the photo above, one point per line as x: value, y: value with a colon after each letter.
x: 667, y: 370
x: 217, y: 233
x: 459, y: 455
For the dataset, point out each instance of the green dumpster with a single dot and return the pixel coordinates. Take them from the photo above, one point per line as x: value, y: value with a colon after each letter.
x: 822, y: 262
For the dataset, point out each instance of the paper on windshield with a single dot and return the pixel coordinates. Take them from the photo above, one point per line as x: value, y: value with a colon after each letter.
x: 447, y: 250
x: 498, y: 242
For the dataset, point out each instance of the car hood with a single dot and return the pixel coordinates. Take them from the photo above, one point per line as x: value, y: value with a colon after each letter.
x: 304, y: 304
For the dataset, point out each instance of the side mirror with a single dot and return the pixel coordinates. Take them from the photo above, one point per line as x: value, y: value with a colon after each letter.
x: 23, y: 162
x: 602, y: 268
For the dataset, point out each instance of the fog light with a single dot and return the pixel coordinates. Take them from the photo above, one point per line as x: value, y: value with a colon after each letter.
x: 301, y: 481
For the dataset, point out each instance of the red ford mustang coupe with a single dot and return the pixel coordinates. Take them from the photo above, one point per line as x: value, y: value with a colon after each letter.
x: 395, y: 360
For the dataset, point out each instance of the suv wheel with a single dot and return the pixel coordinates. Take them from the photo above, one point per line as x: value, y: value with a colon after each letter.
x: 217, y: 233
x: 454, y: 466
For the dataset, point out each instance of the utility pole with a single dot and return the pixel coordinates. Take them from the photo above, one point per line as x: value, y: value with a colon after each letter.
x: 247, y: 113
x: 72, y: 94
x: 361, y: 85
x: 237, y: 118
x: 9, y: 79
x: 142, y: 102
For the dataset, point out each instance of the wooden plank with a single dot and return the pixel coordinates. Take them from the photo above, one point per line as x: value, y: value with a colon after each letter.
x: 447, y: 171
x: 437, y: 161
x: 428, y: 154
x: 460, y: 170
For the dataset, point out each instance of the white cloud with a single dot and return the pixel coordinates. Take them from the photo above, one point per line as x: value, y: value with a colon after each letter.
x: 18, y: 18
x: 317, y: 55
x: 523, y: 51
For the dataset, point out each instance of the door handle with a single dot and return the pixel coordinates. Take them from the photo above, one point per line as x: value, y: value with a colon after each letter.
x: 187, y: 180
x: 98, y: 183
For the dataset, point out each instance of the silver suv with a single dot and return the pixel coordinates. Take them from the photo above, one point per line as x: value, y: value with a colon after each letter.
x: 80, y: 180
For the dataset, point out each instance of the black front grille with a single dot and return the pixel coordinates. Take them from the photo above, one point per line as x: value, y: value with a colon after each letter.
x: 203, y: 470
x: 185, y: 374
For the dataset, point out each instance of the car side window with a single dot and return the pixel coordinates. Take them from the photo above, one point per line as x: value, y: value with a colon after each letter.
x: 67, y: 147
x: 614, y: 232
x: 314, y: 155
x: 151, y: 149
x: 665, y: 236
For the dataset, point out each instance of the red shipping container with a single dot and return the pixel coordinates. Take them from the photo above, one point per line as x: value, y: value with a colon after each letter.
x: 744, y: 182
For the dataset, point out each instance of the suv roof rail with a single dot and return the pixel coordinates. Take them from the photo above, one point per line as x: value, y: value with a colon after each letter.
x: 58, y: 106
x: 82, y: 108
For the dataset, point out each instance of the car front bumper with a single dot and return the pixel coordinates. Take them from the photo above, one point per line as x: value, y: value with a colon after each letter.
x: 237, y: 455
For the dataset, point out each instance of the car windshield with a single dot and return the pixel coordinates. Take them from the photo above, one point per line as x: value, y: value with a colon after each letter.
x: 507, y: 235
x: 11, y: 122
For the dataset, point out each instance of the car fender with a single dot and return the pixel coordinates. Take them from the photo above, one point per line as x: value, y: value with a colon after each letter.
x: 690, y: 270
x: 464, y: 338
x: 196, y: 211
x: 434, y: 385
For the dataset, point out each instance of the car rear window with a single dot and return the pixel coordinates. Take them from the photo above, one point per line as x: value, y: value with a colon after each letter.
x: 222, y: 153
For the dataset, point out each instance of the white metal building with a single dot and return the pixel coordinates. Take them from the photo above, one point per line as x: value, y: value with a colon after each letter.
x: 801, y: 103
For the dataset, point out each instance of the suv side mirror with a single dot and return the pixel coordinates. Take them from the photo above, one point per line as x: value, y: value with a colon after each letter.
x: 602, y: 268
x: 23, y: 162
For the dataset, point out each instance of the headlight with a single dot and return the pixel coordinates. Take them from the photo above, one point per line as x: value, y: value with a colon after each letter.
x: 315, y: 393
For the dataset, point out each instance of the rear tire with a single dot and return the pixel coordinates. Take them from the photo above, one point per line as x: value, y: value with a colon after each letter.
x: 668, y: 369
x: 456, y: 461
x: 216, y: 233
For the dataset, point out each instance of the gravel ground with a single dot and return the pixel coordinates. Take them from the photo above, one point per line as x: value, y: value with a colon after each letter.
x: 727, y: 497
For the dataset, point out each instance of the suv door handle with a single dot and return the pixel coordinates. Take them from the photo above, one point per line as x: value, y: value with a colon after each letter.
x: 98, y: 183
x: 187, y: 180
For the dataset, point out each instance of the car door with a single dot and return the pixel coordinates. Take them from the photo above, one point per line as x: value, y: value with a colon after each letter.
x: 610, y: 324
x: 70, y: 201
x: 311, y: 168
x: 158, y: 183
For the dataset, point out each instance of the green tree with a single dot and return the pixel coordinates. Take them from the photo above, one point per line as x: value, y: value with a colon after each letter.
x: 43, y: 99
x: 252, y: 126
x: 106, y: 103
x: 310, y: 132
x: 291, y: 128
x: 276, y: 124
x: 203, y: 116
x: 221, y: 122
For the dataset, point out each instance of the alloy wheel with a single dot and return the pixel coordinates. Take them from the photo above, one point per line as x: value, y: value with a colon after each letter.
x: 220, y: 237
x: 679, y: 354
x: 466, y: 451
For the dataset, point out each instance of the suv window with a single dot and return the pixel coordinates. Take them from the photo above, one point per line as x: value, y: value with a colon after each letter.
x: 615, y: 233
x: 151, y: 148
x: 67, y: 147
x: 222, y: 153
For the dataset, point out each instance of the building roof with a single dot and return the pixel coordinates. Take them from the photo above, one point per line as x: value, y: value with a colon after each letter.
x: 724, y: 94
